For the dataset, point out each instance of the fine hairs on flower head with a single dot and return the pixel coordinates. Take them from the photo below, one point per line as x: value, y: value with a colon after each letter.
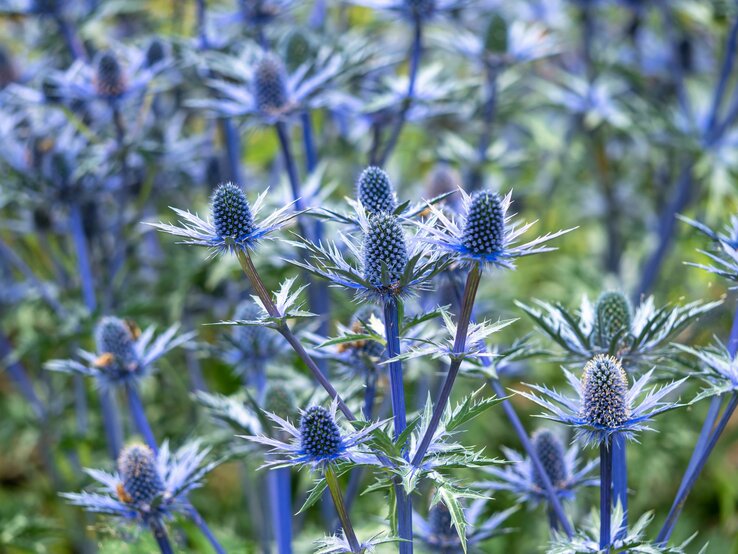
x: 605, y: 387
x: 232, y: 215
x: 141, y: 480
x: 385, y: 252
x: 116, y: 344
x: 321, y: 437
x: 374, y: 191
x: 551, y: 453
x: 484, y: 232
x: 270, y: 87
x: 109, y: 78
x: 613, y: 316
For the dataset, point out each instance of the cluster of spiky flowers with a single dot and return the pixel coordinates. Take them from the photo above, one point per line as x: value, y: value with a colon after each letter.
x: 147, y: 486
x: 233, y: 225
x: 485, y: 233
x: 563, y: 466
x: 611, y: 326
x: 124, y: 353
x: 605, y: 404
x: 375, y: 192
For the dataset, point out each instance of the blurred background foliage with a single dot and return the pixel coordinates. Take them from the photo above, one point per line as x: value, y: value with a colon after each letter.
x: 607, y: 130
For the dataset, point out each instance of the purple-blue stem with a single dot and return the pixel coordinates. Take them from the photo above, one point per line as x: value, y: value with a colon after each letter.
x: 605, y: 493
x: 462, y: 326
x: 704, y: 446
x: 311, y: 155
x: 281, y: 506
x: 399, y: 416
x: 488, y: 119
x: 343, y: 515
x: 620, y: 480
x: 111, y: 421
x: 725, y: 72
x: 233, y: 149
x: 77, y: 231
x: 19, y: 376
x: 74, y: 44
x: 415, y: 56
x: 160, y: 534
x: 202, y: 36
x: 138, y: 415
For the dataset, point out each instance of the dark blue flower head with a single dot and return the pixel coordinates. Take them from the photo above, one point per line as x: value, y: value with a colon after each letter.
x: 551, y: 453
x: 109, y: 78
x: 141, y: 480
x: 385, y: 252
x: 254, y: 341
x: 232, y: 215
x: 297, y: 49
x: 613, y: 317
x: 8, y: 73
x: 364, y: 349
x: 270, y: 84
x: 441, y: 526
x: 51, y: 90
x: 321, y: 437
x: 46, y: 7
x: 605, y: 393
x: 116, y: 345
x: 420, y: 9
x: 484, y: 232
x: 374, y: 191
x: 495, y: 37
x: 155, y: 53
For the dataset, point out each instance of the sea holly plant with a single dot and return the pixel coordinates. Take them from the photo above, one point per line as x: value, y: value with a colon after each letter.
x: 148, y: 489
x: 605, y: 406
x: 611, y: 326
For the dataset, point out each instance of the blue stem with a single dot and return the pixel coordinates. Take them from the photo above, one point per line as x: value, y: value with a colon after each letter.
x: 111, y: 421
x: 620, y: 480
x: 605, y: 493
x: 488, y: 118
x: 725, y: 72
x: 202, y: 35
x: 311, y: 155
x: 233, y: 149
x: 160, y: 534
x: 83, y: 260
x: 74, y: 44
x: 19, y: 376
x: 281, y: 505
x: 415, y: 56
x: 699, y: 447
x: 370, y: 393
x: 139, y: 417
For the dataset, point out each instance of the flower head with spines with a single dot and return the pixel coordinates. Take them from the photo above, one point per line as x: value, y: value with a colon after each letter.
x: 716, y: 366
x: 606, y: 326
x: 485, y: 233
x: 147, y: 486
x: 375, y: 192
x: 386, y: 263
x: 319, y: 441
x: 270, y: 88
x: 724, y: 258
x: 124, y: 353
x: 605, y: 405
x: 563, y: 467
x: 109, y: 78
x: 234, y: 225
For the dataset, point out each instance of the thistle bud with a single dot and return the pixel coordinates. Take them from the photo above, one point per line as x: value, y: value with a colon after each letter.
x: 442, y: 531
x: 605, y: 392
x: 109, y: 79
x: 231, y: 212
x: 321, y: 437
x: 116, y: 345
x: 270, y: 81
x: 385, y: 253
x: 484, y: 232
x: 550, y: 452
x: 374, y: 191
x: 613, y: 316
x: 297, y: 50
x: 141, y: 480
x: 155, y: 53
x: 495, y: 39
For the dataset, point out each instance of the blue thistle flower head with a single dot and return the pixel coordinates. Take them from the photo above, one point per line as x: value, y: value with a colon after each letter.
x: 443, y: 533
x: 156, y: 52
x: 270, y: 84
x: 613, y: 317
x: 321, y: 437
x: 116, y: 346
x: 231, y: 212
x: 484, y: 232
x: 495, y: 37
x: 385, y: 253
x: 605, y: 392
x: 552, y: 454
x: 109, y: 78
x: 140, y: 476
x: 420, y: 9
x: 374, y: 191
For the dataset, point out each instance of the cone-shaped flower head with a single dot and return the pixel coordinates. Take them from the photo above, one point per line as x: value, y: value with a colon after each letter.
x: 155, y: 53
x: 551, y: 453
x: 141, y: 480
x: 605, y: 392
x: 321, y: 437
x: 116, y: 345
x: 421, y: 9
x: 441, y: 525
x: 385, y: 252
x: 232, y: 216
x: 613, y: 316
x: 374, y: 191
x: 484, y: 232
x: 495, y: 39
x: 270, y: 84
x: 109, y: 78
x: 297, y: 50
